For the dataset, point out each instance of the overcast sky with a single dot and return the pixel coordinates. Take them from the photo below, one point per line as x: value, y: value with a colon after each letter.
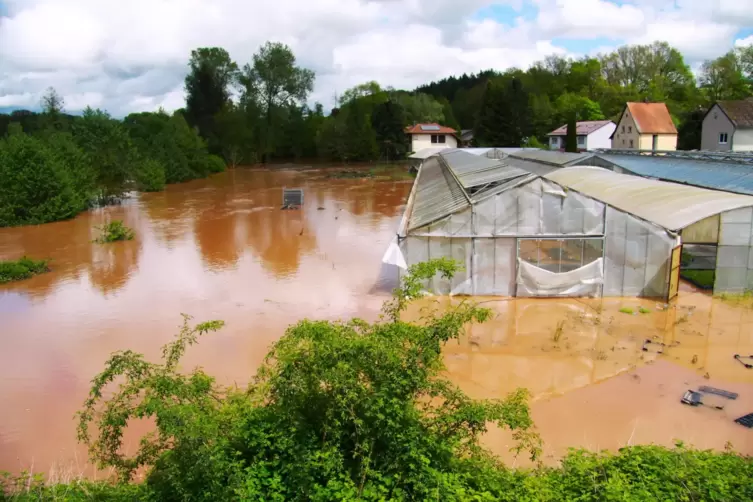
x: 131, y: 55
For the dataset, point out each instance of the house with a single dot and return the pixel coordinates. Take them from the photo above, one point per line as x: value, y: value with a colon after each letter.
x: 431, y: 135
x: 645, y: 126
x: 728, y: 127
x: 591, y: 134
x: 466, y: 138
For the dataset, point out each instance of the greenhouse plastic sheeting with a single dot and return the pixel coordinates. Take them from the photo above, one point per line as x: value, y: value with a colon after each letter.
x: 394, y: 255
x: 637, y: 255
x: 538, y: 208
x: 734, y: 258
x: 456, y: 224
x: 417, y: 249
x: 494, y: 267
x: 583, y: 281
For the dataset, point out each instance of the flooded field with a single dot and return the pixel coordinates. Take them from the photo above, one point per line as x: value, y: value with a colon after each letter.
x: 221, y: 248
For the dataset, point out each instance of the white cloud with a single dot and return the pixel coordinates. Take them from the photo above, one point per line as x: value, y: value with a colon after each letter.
x: 132, y: 56
x: 744, y: 42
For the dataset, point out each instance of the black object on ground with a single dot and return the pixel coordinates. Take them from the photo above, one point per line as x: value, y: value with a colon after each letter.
x: 740, y: 358
x: 692, y: 398
x: 648, y: 342
x: 746, y: 420
x: 718, y: 392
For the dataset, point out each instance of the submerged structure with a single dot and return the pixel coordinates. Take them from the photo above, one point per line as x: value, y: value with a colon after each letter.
x: 534, y: 224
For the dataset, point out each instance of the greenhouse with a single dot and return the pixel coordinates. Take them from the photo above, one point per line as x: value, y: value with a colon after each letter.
x: 527, y: 228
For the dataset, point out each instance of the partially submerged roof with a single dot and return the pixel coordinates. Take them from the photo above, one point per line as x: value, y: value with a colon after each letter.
x: 582, y: 128
x: 432, y: 128
x: 707, y: 173
x: 740, y: 112
x: 652, y: 118
x: 552, y: 157
x: 668, y: 205
x: 437, y: 194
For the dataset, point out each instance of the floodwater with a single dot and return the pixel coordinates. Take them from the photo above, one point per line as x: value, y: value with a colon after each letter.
x: 221, y: 248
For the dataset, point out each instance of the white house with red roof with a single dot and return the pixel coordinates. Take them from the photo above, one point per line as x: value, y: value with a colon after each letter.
x: 590, y: 134
x: 431, y: 136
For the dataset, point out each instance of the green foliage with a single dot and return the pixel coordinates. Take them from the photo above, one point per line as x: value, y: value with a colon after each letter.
x: 626, y: 310
x: 420, y: 108
x: 113, y: 231
x: 22, y: 269
x: 701, y: 278
x: 150, y: 175
x: 504, y: 119
x: 388, y: 120
x: 27, y: 488
x: 41, y: 180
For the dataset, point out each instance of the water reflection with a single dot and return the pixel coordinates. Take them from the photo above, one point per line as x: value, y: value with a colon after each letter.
x: 219, y: 248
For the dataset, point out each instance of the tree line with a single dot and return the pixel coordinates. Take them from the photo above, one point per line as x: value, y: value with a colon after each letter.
x: 54, y: 165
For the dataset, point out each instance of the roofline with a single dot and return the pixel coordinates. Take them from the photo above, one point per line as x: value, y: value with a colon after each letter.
x: 716, y: 103
x: 620, y: 120
x: 606, y: 123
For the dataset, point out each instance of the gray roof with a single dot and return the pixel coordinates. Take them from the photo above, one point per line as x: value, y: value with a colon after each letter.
x: 551, y: 157
x: 438, y: 194
x: 668, y: 205
x: 717, y: 175
x: 582, y: 128
x: 740, y: 112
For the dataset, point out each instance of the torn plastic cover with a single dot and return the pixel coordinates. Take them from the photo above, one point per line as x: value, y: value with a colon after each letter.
x: 394, y: 255
x: 583, y: 281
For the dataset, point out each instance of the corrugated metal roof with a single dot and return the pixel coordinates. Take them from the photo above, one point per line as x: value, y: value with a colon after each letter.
x: 728, y: 176
x: 551, y: 157
x: 437, y: 195
x: 425, y: 153
x: 476, y: 171
x: 669, y: 205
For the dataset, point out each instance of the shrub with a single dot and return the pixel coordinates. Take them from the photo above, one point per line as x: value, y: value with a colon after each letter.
x: 215, y: 164
x: 22, y: 269
x: 150, y: 176
x: 114, y: 231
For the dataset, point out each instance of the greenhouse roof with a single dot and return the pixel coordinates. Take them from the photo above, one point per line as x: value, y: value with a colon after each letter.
x: 715, y: 174
x: 669, y: 205
x: 552, y: 157
x: 437, y: 194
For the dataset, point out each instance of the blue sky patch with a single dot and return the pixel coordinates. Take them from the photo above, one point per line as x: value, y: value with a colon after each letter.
x: 580, y: 46
x: 505, y: 14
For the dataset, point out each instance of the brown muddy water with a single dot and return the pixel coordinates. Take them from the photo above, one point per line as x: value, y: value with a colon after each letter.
x: 221, y: 248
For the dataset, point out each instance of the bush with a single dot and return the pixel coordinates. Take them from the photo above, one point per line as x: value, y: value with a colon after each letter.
x: 22, y: 269
x: 215, y: 164
x: 114, y: 231
x: 40, y: 181
x: 150, y: 176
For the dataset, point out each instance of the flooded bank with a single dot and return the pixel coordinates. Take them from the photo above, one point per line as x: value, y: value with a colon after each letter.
x: 221, y: 248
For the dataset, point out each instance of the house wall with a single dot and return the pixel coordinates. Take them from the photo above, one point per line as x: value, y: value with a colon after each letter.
x: 625, y: 132
x: 715, y: 123
x: 743, y: 140
x: 600, y: 137
x: 421, y: 141
x: 664, y: 142
x: 556, y: 142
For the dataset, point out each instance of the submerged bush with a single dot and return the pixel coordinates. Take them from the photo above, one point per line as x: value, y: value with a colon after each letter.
x: 22, y: 269
x: 150, y: 176
x: 215, y: 164
x: 114, y: 231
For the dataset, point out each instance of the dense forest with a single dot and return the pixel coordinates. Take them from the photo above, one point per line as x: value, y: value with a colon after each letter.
x: 54, y: 165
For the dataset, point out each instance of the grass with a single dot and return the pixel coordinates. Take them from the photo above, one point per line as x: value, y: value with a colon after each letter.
x: 22, y: 269
x: 114, y: 231
x: 702, y: 278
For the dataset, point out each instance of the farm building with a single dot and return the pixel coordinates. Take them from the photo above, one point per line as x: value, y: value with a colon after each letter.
x: 531, y: 228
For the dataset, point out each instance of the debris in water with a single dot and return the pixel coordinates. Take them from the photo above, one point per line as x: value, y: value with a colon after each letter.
x: 718, y: 392
x: 746, y: 420
x: 707, y: 376
x: 626, y: 310
x: 320, y: 208
x: 694, y: 360
x: 692, y: 398
x: 740, y: 359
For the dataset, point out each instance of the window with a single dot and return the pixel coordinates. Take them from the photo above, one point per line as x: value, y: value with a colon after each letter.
x: 560, y: 255
x: 631, y: 143
x: 581, y: 141
x: 723, y: 138
x: 623, y: 141
x: 437, y: 138
x: 623, y: 129
x: 630, y: 129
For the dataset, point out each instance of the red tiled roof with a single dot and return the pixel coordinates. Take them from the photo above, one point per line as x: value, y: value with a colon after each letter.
x: 652, y: 118
x: 581, y: 128
x: 429, y: 129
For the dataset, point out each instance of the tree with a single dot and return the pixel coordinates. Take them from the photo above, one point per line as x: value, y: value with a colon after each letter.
x: 724, y: 78
x: 505, y: 117
x: 360, y: 91
x: 208, y: 84
x: 361, y: 138
x: 449, y: 116
x: 339, y: 411
x: 274, y: 80
x: 388, y: 121
x: 420, y: 108
x: 571, y: 138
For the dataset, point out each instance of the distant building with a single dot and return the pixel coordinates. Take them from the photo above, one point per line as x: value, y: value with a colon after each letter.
x: 645, y: 126
x: 466, y: 138
x: 591, y: 134
x: 431, y: 135
x: 728, y: 127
